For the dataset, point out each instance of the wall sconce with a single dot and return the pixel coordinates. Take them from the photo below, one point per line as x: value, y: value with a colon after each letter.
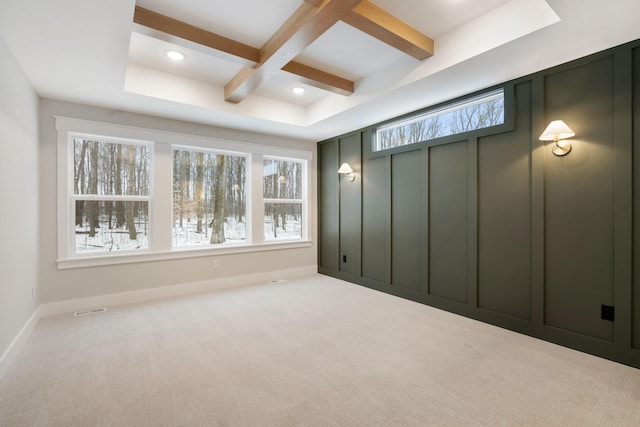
x: 556, y: 132
x: 347, y: 171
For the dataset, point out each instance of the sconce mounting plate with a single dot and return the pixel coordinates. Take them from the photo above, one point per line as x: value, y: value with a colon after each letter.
x: 561, y: 150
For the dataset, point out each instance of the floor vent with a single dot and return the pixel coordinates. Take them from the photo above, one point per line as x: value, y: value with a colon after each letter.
x: 278, y: 280
x: 89, y: 311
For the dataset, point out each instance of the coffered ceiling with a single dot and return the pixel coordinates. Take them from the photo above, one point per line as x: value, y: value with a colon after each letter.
x: 359, y: 61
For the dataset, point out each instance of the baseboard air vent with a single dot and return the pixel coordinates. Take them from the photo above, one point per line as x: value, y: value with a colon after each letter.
x: 89, y: 311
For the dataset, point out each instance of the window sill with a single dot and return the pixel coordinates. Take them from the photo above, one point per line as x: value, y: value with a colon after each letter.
x: 94, y: 261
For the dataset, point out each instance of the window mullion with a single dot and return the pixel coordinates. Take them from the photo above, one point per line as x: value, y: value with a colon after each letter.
x: 257, y: 203
x: 161, y: 209
x: 298, y: 201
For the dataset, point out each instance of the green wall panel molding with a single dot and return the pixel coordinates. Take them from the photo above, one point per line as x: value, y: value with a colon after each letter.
x: 448, y: 221
x: 328, y: 213
x: 635, y: 294
x: 350, y: 206
x: 407, y: 244
x: 504, y: 215
x: 375, y: 217
x: 579, y: 201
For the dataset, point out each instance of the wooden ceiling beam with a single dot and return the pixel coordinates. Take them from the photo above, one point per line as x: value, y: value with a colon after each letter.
x: 166, y: 24
x: 315, y: 3
x: 236, y: 51
x: 299, y: 31
x: 378, y: 23
x: 320, y: 79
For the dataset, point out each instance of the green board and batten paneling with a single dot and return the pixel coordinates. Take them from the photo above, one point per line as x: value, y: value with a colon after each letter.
x: 635, y: 293
x: 448, y: 189
x: 504, y: 215
x: 579, y: 201
x: 491, y: 225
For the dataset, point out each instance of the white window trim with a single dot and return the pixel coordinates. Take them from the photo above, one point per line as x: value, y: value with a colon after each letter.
x: 160, y: 205
x: 439, y: 111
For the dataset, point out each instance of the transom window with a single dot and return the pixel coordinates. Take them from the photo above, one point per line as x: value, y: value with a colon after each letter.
x: 464, y: 116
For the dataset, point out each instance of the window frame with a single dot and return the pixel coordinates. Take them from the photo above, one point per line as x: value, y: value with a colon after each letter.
x: 304, y: 201
x: 248, y: 171
x: 73, y: 197
x: 160, y: 204
x: 507, y: 124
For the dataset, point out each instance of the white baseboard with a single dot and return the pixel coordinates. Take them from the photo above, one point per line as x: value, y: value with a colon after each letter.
x: 18, y: 342
x: 70, y: 306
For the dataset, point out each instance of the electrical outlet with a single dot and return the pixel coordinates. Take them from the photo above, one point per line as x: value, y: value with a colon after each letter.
x: 607, y: 312
x: 216, y: 264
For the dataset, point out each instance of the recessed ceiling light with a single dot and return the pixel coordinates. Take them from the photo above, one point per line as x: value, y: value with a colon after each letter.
x: 298, y: 90
x: 175, y: 55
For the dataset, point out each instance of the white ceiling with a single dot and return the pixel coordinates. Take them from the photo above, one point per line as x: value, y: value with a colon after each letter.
x: 90, y: 52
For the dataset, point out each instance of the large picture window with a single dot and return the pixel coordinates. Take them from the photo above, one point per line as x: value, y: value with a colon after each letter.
x: 208, y: 198
x: 470, y: 114
x: 131, y: 194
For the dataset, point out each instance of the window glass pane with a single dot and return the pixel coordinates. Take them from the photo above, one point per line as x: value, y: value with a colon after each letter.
x: 475, y: 113
x: 110, y: 168
x: 282, y: 221
x: 282, y: 179
x: 111, y: 226
x: 208, y: 198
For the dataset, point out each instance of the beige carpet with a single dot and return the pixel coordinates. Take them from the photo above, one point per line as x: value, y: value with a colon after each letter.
x: 308, y: 352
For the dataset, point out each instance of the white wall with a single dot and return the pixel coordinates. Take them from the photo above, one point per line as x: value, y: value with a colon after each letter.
x: 59, y: 285
x: 19, y: 222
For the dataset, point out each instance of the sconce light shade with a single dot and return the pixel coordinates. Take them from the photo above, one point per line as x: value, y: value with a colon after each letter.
x: 556, y: 132
x: 346, y: 170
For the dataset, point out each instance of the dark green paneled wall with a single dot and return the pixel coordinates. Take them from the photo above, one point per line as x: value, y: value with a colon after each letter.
x: 448, y: 220
x: 350, y: 207
x: 504, y: 215
x: 579, y: 200
x: 491, y: 225
x: 406, y: 220
x: 635, y: 294
x: 328, y: 210
x: 374, y: 220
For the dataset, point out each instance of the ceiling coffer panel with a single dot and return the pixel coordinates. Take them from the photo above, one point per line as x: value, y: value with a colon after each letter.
x: 308, y: 23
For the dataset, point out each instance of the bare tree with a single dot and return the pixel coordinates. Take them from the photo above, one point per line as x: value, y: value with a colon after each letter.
x: 130, y: 210
x: 79, y: 180
x: 120, y: 217
x: 217, y: 223
x: 198, y: 193
x: 92, y: 206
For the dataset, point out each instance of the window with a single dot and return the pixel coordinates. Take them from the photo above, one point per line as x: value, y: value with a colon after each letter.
x: 130, y: 194
x: 208, y: 198
x: 282, y: 193
x: 470, y: 114
x: 111, y: 184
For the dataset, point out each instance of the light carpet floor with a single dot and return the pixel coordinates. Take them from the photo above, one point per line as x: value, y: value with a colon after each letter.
x: 308, y: 352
